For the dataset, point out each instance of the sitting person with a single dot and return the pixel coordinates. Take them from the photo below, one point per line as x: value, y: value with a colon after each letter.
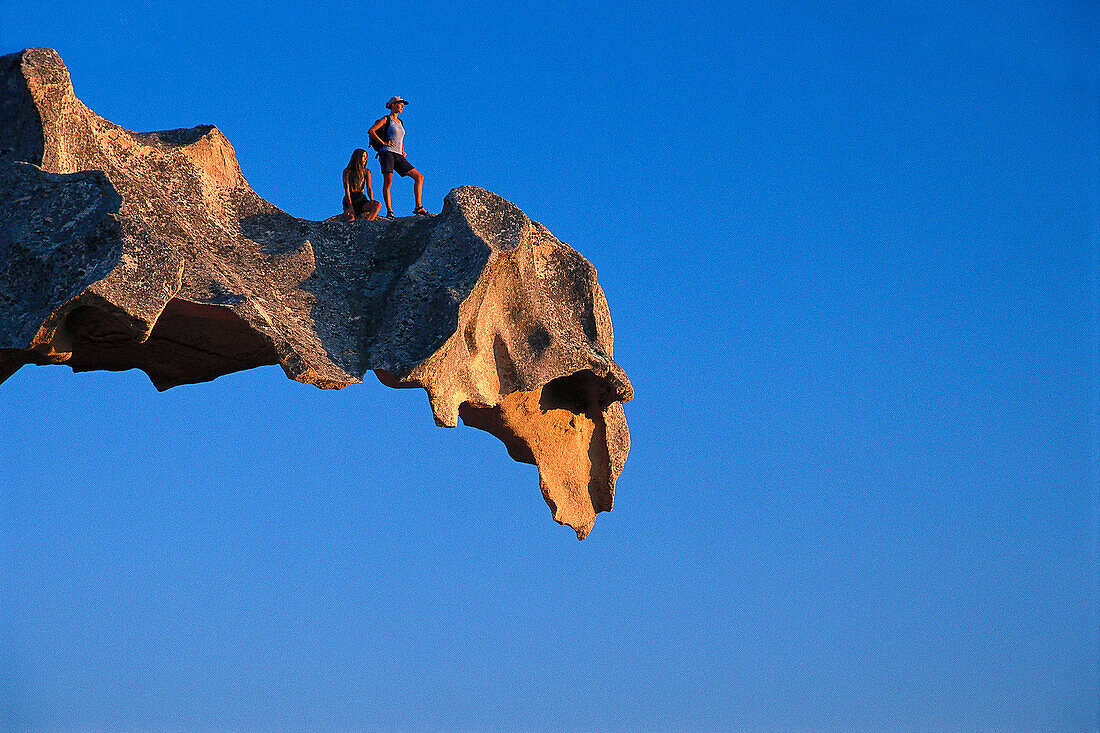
x: 356, y: 176
x: 387, y: 135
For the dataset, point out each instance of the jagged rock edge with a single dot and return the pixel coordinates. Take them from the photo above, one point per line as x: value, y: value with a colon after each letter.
x: 287, y: 356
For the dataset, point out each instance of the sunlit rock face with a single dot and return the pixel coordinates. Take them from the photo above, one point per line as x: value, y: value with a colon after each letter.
x: 123, y: 250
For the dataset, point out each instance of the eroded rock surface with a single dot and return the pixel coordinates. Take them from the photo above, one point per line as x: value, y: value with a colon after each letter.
x: 122, y: 250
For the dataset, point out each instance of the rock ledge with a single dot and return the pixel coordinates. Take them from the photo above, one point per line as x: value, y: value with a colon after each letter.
x: 123, y: 250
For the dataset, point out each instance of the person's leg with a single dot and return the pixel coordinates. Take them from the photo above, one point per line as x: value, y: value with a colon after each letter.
x: 385, y: 158
x: 402, y: 166
x: 366, y: 208
x: 418, y: 186
x: 387, y: 179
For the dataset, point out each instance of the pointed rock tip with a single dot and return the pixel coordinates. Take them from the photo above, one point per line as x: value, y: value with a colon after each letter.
x: 36, y: 60
x: 38, y: 55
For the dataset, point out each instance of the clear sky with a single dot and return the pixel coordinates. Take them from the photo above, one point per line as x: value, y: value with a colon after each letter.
x: 851, y: 255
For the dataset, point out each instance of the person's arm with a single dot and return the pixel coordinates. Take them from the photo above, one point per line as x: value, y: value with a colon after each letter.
x: 373, y: 131
x: 366, y: 182
x: 349, y: 209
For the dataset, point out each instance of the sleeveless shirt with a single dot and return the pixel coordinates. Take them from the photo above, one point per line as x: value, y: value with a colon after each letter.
x: 395, y: 131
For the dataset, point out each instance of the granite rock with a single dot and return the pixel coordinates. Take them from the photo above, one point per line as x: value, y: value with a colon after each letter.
x: 123, y: 250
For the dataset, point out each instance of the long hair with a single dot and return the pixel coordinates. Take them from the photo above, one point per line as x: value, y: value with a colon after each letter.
x: 357, y: 169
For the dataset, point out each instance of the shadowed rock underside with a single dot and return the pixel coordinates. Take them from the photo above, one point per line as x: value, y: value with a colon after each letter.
x: 123, y: 250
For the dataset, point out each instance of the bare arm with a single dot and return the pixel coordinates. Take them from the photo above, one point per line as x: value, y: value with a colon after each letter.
x: 373, y: 131
x: 366, y: 182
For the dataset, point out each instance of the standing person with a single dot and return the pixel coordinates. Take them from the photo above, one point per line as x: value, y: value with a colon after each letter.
x: 388, y: 136
x: 356, y: 176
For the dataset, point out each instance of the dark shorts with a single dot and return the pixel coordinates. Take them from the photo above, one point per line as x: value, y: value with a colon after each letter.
x: 393, y: 162
x: 360, y: 202
x: 364, y: 208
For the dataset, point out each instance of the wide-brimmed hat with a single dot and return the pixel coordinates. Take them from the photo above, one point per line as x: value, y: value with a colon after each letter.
x: 395, y: 100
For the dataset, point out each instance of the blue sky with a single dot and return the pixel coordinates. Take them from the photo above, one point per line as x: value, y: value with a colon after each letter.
x: 851, y: 255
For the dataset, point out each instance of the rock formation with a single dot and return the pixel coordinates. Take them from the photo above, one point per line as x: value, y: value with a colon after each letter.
x: 122, y: 250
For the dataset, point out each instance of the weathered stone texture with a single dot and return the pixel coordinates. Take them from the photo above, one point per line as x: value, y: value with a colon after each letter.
x: 122, y: 250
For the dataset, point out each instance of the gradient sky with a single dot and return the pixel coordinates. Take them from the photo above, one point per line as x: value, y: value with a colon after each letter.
x: 851, y: 255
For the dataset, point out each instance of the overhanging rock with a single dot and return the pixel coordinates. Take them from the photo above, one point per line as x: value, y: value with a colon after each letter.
x: 123, y: 250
